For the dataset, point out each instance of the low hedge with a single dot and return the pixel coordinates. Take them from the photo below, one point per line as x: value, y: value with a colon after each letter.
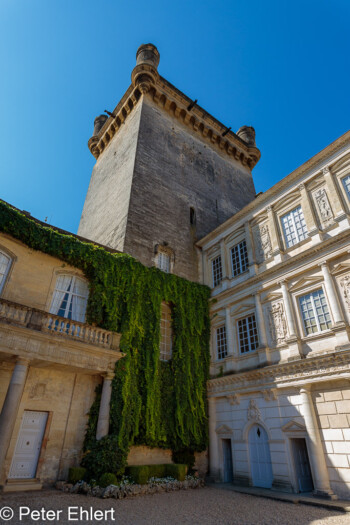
x: 76, y: 474
x: 142, y: 473
x: 177, y: 471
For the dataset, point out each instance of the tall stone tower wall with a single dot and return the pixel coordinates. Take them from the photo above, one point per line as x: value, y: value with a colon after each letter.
x: 155, y: 162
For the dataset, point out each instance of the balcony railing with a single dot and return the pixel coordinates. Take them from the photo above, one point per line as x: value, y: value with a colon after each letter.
x: 18, y: 314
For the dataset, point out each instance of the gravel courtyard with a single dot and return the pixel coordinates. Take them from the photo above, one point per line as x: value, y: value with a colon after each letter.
x: 206, y: 506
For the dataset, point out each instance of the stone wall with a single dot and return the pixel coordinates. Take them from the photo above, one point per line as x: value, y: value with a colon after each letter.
x: 106, y: 205
x: 333, y: 408
x: 142, y: 455
x: 151, y: 173
x: 32, y: 276
x: 67, y: 397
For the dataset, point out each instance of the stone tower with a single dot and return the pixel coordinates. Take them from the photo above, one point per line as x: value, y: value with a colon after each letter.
x: 166, y: 173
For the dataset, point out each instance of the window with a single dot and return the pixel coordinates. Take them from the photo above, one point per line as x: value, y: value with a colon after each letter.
x: 163, y: 262
x: 217, y: 270
x: 5, y: 263
x: 346, y: 184
x: 193, y: 219
x: 239, y: 257
x: 221, y: 343
x: 248, y: 334
x: 70, y: 298
x: 315, y: 313
x: 166, y: 334
x: 294, y: 226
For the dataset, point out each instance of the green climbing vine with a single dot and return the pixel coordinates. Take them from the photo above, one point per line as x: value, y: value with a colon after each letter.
x: 153, y: 403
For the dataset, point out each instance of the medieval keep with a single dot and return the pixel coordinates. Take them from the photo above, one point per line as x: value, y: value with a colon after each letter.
x: 173, y: 188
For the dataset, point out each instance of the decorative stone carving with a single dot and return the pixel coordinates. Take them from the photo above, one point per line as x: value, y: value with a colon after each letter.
x: 323, y: 205
x: 270, y: 394
x: 233, y: 399
x: 263, y: 242
x: 253, y: 411
x: 277, y: 323
x: 345, y: 284
x: 38, y: 391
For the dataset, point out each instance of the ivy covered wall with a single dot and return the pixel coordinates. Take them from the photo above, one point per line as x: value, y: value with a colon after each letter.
x: 153, y: 403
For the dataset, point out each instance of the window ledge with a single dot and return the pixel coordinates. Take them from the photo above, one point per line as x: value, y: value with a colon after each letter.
x: 297, y: 245
x: 317, y: 335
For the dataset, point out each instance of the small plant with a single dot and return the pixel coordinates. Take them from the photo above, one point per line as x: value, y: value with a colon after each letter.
x: 105, y: 456
x: 76, y: 474
x: 107, y: 479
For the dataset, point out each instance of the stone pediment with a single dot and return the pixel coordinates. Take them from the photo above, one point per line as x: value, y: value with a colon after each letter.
x: 290, y: 200
x: 304, y: 283
x: 340, y: 268
x: 223, y: 429
x: 243, y: 308
x: 270, y: 297
x: 293, y: 426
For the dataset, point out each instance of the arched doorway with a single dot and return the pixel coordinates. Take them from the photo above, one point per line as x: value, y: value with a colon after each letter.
x: 260, y: 458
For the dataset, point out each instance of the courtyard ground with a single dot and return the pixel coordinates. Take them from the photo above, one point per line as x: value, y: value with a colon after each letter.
x: 205, y: 506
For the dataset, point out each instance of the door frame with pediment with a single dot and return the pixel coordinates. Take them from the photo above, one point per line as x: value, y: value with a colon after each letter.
x: 295, y: 430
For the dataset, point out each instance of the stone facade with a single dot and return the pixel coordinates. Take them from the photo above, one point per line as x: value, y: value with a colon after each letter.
x: 279, y: 393
x: 157, y: 162
x: 44, y: 372
x: 168, y: 174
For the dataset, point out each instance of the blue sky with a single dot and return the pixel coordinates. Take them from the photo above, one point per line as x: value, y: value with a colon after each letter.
x: 280, y: 66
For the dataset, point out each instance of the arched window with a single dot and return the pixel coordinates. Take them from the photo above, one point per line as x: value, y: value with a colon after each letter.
x: 70, y: 298
x: 166, y: 333
x: 5, y: 263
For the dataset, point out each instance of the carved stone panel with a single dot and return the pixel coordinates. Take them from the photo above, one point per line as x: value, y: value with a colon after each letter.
x: 253, y: 411
x: 345, y: 286
x: 262, y: 242
x: 323, y: 206
x: 277, y: 323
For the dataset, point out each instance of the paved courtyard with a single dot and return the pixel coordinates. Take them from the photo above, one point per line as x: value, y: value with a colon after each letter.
x: 206, y: 506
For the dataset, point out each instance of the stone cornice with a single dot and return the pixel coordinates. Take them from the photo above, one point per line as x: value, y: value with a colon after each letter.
x: 265, y: 198
x: 173, y: 101
x: 284, y: 266
x: 42, y: 347
x: 310, y: 370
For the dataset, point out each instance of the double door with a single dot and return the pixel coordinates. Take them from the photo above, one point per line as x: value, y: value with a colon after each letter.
x: 25, y: 458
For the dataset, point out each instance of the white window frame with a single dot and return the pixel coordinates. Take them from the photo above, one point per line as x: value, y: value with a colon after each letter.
x: 7, y: 269
x: 224, y: 352
x: 243, y: 265
x: 216, y: 282
x: 310, y: 292
x: 346, y: 186
x: 71, y: 294
x: 164, y: 261
x: 291, y: 214
x: 252, y: 314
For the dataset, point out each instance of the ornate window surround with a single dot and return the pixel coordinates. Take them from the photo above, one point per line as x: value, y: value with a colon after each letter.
x: 12, y: 258
x: 299, y: 317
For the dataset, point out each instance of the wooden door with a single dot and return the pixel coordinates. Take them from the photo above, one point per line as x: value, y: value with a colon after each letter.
x: 260, y: 458
x: 302, y: 465
x: 28, y: 446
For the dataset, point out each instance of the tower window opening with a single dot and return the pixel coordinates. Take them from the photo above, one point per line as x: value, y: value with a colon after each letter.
x: 193, y: 218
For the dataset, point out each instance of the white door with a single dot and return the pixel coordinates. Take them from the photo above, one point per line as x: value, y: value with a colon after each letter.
x: 27, y: 451
x: 260, y: 458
